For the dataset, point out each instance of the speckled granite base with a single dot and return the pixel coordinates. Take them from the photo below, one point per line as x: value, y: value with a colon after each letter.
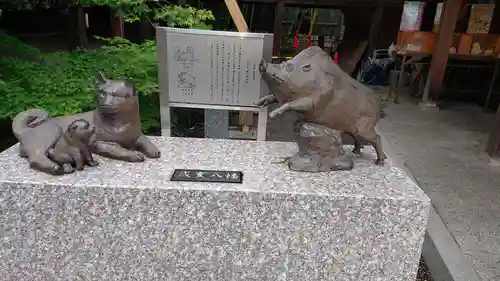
x: 127, y: 221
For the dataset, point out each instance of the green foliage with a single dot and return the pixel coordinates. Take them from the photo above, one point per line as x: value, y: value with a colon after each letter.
x: 172, y: 15
x: 132, y: 10
x: 64, y: 82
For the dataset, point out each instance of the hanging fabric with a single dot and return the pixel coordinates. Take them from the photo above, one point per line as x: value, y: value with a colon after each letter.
x: 292, y: 24
x: 296, y: 40
x: 309, y: 35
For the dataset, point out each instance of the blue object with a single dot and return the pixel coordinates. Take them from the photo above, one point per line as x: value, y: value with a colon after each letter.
x: 372, y: 74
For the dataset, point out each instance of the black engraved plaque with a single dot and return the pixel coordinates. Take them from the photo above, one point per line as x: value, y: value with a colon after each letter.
x: 207, y: 176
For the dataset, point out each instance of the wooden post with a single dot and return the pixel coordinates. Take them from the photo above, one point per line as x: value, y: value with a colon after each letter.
x: 493, y: 146
x: 76, y: 28
x: 357, y: 21
x: 279, y: 14
x: 321, y: 41
x: 495, y: 21
x: 375, y: 29
x: 428, y: 17
x: 117, y: 25
x: 437, y: 69
x: 245, y: 118
x: 146, y: 29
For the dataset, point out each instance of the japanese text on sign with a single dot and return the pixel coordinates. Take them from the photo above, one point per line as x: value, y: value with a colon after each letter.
x: 214, y: 69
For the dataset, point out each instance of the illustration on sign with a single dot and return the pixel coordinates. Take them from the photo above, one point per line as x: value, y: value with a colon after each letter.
x: 187, y: 55
x: 186, y: 81
x: 207, y: 176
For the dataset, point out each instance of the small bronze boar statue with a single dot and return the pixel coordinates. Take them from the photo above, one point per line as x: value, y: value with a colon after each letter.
x: 320, y: 150
x: 312, y: 84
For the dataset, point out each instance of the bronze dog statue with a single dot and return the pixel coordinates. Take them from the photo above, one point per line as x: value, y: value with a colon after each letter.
x: 117, y: 128
x: 312, y: 84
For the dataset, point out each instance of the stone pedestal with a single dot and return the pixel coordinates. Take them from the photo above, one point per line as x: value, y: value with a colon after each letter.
x: 127, y: 221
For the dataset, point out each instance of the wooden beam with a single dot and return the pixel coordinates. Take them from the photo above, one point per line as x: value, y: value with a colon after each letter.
x: 238, y: 18
x: 451, y: 10
x: 245, y: 118
x: 375, y: 29
x: 279, y: 14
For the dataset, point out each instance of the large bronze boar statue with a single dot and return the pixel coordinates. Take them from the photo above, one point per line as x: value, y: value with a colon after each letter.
x: 313, y: 85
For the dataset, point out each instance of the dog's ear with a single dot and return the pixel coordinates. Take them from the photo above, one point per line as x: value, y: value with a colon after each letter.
x: 131, y: 87
x: 85, y: 123
x: 101, y: 79
x: 72, y: 127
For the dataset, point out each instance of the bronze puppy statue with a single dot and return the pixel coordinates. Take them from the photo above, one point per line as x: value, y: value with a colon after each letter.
x: 312, y: 84
x: 73, y: 147
x: 117, y: 128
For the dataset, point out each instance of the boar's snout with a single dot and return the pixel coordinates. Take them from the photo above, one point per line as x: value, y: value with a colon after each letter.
x: 263, y: 66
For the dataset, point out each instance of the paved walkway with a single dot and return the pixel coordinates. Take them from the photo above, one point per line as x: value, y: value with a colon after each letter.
x: 443, y: 150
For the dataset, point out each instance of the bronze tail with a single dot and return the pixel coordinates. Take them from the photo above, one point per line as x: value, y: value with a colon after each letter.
x: 28, y: 119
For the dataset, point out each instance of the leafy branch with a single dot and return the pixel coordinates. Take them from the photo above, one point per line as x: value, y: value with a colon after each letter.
x: 172, y: 15
x: 17, y: 4
x: 134, y: 10
x: 184, y: 16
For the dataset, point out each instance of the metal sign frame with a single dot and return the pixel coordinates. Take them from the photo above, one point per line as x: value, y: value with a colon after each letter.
x: 165, y: 104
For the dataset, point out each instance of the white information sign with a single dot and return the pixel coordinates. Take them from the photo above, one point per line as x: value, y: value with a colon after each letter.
x: 213, y: 70
x: 213, y: 67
